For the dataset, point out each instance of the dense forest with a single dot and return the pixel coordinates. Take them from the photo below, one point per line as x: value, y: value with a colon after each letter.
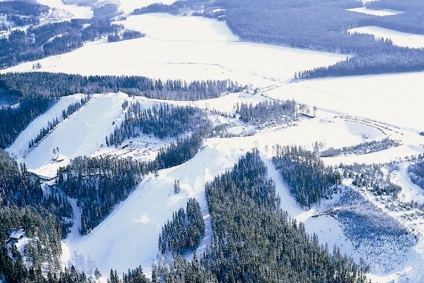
x: 184, y: 232
x: 362, y: 148
x: 254, y: 241
x: 60, y: 84
x: 43, y: 217
x: 162, y: 121
x: 270, y: 112
x: 98, y: 184
x: 306, y: 175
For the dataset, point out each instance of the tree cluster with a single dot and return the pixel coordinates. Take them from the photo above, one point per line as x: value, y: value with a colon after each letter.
x: 416, y: 173
x: 363, y: 148
x: 162, y: 121
x: 13, y: 120
x: 268, y: 112
x: 372, y: 178
x: 306, y: 175
x: 184, y: 232
x: 60, y: 84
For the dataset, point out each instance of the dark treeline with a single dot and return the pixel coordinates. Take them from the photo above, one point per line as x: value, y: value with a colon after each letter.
x: 306, y: 175
x: 59, y: 84
x: 362, y: 148
x: 184, y: 232
x: 13, y: 120
x: 54, y: 38
x: 162, y: 121
x: 39, y: 41
x: 391, y: 60
x: 43, y: 217
x: 52, y: 124
x: 268, y: 112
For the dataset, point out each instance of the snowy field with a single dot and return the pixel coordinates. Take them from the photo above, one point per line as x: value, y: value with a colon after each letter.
x: 209, y: 51
x: 351, y: 111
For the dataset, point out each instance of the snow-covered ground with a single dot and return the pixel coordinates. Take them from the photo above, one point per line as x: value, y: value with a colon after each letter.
x: 398, y: 38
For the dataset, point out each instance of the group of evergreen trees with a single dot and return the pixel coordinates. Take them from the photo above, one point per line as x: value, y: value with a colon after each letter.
x: 184, y: 232
x: 60, y: 84
x: 362, y: 148
x: 13, y: 120
x: 416, y: 173
x: 372, y: 178
x: 268, y: 112
x: 305, y: 174
x: 162, y: 121
x: 44, y: 219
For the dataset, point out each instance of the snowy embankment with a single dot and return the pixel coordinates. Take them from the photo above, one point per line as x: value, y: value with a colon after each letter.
x: 80, y: 134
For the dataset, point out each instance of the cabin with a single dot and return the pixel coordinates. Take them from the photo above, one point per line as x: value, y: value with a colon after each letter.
x: 15, y: 236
